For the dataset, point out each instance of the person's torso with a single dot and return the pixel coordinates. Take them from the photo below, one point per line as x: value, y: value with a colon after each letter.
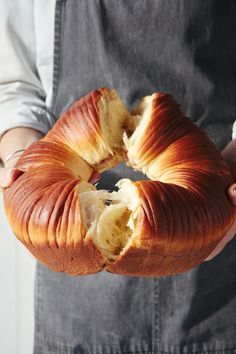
x: 186, y: 48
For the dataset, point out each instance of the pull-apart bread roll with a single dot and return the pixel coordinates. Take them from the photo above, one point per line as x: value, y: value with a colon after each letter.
x: 165, y: 225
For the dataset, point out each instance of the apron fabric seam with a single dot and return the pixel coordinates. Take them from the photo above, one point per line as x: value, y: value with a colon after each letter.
x: 57, y: 53
x: 64, y: 349
x: 156, y: 339
x: 154, y: 317
x: 38, y: 303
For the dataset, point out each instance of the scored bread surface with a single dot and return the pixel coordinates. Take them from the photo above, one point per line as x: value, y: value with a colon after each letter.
x: 165, y: 225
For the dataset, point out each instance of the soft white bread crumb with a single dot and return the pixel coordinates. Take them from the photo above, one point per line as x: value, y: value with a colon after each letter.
x: 110, y: 226
x: 138, y: 123
x: 113, y: 117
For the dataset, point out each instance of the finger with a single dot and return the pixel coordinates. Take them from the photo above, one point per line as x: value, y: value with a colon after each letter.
x: 8, y: 176
x: 217, y: 250
x: 8, y: 172
x: 231, y: 191
x: 13, y: 160
x: 95, y: 176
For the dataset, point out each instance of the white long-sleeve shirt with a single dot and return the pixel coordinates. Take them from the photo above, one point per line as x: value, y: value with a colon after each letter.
x: 26, y: 64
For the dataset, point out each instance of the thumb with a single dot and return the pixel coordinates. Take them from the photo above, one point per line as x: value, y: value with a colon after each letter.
x: 8, y: 175
x: 231, y: 191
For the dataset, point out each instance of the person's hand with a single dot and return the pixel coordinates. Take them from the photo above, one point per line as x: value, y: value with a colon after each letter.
x: 12, y: 145
x: 229, y: 154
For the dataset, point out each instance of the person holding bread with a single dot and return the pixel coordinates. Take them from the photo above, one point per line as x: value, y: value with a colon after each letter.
x: 56, y: 52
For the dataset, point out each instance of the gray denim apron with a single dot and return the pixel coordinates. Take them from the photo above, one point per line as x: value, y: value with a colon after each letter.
x: 187, y: 48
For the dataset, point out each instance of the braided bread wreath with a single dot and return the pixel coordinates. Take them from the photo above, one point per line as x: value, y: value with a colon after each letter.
x: 162, y: 226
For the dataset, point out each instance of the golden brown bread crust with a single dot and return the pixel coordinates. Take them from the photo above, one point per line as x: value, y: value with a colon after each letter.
x: 44, y: 152
x: 171, y: 139
x: 83, y: 116
x: 81, y: 128
x: 175, y: 231
x: 42, y: 206
x: 44, y: 212
x: 184, y: 214
x: 183, y: 209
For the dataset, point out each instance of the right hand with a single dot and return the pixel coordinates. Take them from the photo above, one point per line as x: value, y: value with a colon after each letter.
x: 13, y: 140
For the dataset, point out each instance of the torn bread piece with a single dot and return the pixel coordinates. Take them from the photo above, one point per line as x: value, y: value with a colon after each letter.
x: 137, y: 122
x: 133, y: 136
x: 113, y: 120
x: 110, y: 217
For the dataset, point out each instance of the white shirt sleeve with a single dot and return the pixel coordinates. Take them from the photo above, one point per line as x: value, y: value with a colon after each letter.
x: 22, y: 97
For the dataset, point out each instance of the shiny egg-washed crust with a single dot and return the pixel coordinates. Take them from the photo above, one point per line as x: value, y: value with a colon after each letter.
x: 44, y: 211
x: 183, y: 209
x: 80, y: 128
x: 175, y: 231
x: 186, y: 212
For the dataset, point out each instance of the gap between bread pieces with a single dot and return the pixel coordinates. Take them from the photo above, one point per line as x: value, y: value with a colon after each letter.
x: 109, y: 218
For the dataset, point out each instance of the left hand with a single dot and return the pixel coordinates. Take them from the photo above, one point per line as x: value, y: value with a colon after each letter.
x: 229, y: 155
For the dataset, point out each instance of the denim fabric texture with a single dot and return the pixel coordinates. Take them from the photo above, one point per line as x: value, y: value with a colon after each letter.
x: 186, y: 48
